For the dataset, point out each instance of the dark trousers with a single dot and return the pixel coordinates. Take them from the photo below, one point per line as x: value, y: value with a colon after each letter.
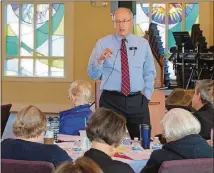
x: 133, y: 107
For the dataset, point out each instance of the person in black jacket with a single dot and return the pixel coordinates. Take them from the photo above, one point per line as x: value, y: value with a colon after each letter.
x: 29, y: 127
x: 202, y: 101
x: 181, y: 130
x: 105, y: 129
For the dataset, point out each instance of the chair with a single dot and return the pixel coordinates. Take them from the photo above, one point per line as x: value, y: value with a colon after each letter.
x: 5, y: 113
x: 212, y: 137
x: 204, y: 165
x: 23, y: 166
x: 73, y: 120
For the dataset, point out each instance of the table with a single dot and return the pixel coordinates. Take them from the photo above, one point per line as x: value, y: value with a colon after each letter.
x: 140, y: 157
x: 136, y: 165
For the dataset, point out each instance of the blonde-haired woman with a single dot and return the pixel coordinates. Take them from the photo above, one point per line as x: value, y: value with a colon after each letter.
x: 29, y: 128
x: 74, y: 119
x: 181, y: 130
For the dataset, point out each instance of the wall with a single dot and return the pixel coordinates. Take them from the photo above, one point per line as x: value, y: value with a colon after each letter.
x: 90, y: 24
x: 0, y: 36
x: 212, y: 28
x: 206, y: 19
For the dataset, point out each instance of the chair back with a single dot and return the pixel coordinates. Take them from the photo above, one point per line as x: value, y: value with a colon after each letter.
x: 204, y: 165
x: 23, y: 166
x: 5, y: 113
x: 72, y: 121
x: 212, y: 137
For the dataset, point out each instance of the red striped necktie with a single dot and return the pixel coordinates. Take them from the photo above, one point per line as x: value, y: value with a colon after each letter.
x: 125, y: 83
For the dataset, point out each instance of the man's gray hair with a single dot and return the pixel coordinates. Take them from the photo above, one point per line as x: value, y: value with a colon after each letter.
x: 206, y: 90
x: 178, y: 123
x: 122, y: 8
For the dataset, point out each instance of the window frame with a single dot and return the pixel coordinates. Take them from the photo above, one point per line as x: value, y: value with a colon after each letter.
x: 68, y: 50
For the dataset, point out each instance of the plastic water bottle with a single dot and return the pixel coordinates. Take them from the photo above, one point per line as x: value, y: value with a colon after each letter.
x: 77, y: 146
x: 136, y: 145
x: 86, y: 144
x: 156, y: 145
x: 126, y: 139
x: 49, y: 135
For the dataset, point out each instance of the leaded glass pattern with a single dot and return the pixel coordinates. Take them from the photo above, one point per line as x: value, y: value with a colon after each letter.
x: 34, y: 40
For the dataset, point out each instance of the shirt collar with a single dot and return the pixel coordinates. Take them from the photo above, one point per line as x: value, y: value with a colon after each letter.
x: 119, y: 38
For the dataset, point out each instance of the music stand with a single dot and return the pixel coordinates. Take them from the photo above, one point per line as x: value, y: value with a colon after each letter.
x: 183, y: 42
x: 183, y: 38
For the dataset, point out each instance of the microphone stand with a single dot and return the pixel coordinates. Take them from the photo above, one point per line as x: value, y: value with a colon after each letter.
x: 183, y: 66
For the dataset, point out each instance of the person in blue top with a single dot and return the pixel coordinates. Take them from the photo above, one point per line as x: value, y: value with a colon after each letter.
x: 125, y: 64
x: 74, y: 119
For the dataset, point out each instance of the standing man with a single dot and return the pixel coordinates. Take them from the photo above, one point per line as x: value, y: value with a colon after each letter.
x: 125, y: 64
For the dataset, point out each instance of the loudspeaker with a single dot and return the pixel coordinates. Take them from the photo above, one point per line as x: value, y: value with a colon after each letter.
x: 131, y: 5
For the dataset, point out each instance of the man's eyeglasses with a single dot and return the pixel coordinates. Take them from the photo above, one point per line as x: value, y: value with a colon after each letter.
x: 122, y: 22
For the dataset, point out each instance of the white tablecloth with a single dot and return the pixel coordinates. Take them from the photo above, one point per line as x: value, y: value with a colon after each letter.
x: 140, y: 158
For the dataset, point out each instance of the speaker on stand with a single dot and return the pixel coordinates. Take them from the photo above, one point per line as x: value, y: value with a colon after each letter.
x: 131, y: 5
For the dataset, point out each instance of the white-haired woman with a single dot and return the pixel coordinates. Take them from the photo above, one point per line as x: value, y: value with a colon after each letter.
x: 73, y: 120
x: 181, y: 130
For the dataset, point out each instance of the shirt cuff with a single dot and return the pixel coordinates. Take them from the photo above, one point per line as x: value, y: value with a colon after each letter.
x: 98, y: 66
x: 148, y: 94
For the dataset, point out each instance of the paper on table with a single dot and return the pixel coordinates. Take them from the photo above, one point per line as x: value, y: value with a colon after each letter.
x: 68, y: 137
x: 67, y: 145
x: 133, y: 154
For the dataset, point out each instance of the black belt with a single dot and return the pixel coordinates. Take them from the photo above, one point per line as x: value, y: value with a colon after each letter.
x: 118, y: 92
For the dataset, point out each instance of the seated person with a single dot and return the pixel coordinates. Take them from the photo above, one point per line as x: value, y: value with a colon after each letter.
x: 181, y: 130
x: 29, y: 128
x: 81, y: 165
x: 105, y: 129
x: 202, y: 101
x: 73, y: 120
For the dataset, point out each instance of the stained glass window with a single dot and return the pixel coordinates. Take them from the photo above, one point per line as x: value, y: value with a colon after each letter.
x: 11, y: 64
x: 12, y: 30
x: 142, y: 19
x: 175, y: 22
x: 34, y: 40
x: 57, y: 34
x: 26, y: 67
x: 192, y: 15
x: 26, y: 30
x: 42, y: 29
x: 158, y: 15
x: 181, y: 17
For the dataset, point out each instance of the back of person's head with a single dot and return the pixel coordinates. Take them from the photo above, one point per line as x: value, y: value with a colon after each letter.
x: 106, y: 126
x: 81, y: 90
x: 81, y: 165
x: 30, y: 122
x: 178, y: 123
x: 205, y: 88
